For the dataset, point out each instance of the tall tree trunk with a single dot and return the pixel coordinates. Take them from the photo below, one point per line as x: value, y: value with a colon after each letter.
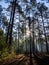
x: 7, y: 35
x: 8, y: 30
x: 18, y: 38
x: 30, y: 42
x: 12, y: 21
x: 30, y: 51
x: 25, y: 38
x: 33, y: 37
x: 39, y: 39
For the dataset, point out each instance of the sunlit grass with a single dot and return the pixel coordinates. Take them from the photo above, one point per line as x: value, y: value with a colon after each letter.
x: 5, y: 55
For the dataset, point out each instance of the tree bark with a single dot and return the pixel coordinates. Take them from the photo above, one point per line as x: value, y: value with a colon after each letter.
x: 12, y: 21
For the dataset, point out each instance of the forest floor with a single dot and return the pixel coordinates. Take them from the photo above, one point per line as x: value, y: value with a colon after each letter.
x: 23, y: 59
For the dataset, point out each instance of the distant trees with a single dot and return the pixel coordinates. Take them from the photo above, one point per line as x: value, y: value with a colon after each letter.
x: 42, y: 9
x: 27, y: 14
x: 3, y: 28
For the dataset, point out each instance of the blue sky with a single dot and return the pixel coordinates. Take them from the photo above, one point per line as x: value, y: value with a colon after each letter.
x: 6, y: 5
x: 3, y: 4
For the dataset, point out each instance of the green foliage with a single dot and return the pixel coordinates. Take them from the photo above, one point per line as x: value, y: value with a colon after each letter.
x: 5, y: 55
x: 2, y: 40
